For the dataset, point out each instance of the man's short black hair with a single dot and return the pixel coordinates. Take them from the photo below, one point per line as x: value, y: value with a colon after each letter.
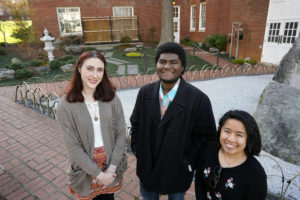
x: 253, y: 144
x: 172, y: 47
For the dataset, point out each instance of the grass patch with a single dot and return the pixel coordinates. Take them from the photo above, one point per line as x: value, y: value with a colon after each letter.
x: 57, y: 75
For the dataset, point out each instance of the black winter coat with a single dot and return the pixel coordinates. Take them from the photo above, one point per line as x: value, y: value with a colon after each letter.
x: 165, y: 147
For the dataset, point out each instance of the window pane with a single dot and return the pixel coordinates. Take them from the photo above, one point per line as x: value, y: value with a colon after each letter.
x: 284, y: 39
x: 271, y: 25
x: 291, y: 25
x: 286, y: 25
x: 293, y: 40
x: 294, y: 33
x: 288, y: 40
x: 296, y: 25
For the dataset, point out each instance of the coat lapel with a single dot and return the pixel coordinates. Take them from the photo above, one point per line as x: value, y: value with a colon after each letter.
x: 177, y: 105
x: 153, y: 103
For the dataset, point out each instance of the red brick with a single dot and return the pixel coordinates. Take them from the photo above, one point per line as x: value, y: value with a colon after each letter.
x: 41, y: 194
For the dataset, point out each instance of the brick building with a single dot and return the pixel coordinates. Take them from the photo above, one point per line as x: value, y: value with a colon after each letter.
x: 194, y: 18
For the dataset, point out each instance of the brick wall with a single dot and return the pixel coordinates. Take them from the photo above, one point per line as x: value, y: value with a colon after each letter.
x: 219, y: 18
x: 44, y: 13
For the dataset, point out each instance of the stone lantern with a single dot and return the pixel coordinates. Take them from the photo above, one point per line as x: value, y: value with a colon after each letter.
x: 48, y: 44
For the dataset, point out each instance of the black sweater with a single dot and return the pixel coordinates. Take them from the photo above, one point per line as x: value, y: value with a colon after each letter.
x: 247, y: 181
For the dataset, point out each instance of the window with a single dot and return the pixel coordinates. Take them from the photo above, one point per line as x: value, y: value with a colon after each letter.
x: 69, y: 21
x: 123, y: 11
x: 202, y: 17
x: 176, y: 12
x: 273, y: 32
x: 290, y: 32
x: 193, y: 18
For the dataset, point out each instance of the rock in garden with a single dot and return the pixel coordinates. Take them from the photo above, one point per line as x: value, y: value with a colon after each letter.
x: 247, y: 59
x: 41, y: 70
x: 213, y: 49
x: 130, y: 49
x: 16, y: 60
x: 278, y: 118
x: 67, y: 68
x: 6, y: 74
x: 288, y: 71
x: 139, y: 46
x: 278, y: 110
x: 74, y: 50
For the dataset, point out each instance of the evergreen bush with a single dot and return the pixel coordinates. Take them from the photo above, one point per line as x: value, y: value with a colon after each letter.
x: 218, y: 41
x: 23, y: 73
x: 55, y: 64
x: 71, y: 61
x: 125, y: 39
x: 16, y: 66
x: 36, y: 62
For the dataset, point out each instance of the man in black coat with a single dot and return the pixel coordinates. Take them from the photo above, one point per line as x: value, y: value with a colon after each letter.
x: 172, y: 121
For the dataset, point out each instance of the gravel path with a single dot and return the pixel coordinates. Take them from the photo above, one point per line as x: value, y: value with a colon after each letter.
x: 242, y: 93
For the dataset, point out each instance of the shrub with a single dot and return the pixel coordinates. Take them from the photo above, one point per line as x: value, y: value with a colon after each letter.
x: 251, y: 61
x: 16, y: 66
x: 23, y: 73
x: 66, y: 58
x: 71, y: 61
x: 36, y: 62
x: 186, y: 40
x: 125, y: 39
x: 55, y: 64
x: 238, y: 61
x: 5, y: 66
x: 218, y: 41
x: 89, y: 49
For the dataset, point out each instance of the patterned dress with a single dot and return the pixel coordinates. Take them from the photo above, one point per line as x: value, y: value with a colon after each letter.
x: 97, y: 189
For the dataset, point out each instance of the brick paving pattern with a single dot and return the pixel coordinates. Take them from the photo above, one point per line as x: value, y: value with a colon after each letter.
x: 32, y: 152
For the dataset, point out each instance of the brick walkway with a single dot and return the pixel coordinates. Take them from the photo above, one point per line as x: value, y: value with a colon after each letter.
x: 33, y: 155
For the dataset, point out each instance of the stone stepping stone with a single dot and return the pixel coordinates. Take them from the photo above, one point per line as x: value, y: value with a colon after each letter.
x: 108, y: 54
x: 132, y: 69
x: 118, y: 60
x: 111, y: 61
x: 121, y: 70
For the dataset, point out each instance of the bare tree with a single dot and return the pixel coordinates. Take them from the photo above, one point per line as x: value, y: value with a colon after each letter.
x: 167, y: 34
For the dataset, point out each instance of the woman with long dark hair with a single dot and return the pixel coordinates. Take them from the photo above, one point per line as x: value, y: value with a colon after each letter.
x: 230, y: 171
x: 91, y: 118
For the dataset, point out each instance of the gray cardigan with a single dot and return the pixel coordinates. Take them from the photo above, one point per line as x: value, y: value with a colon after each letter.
x: 76, y: 126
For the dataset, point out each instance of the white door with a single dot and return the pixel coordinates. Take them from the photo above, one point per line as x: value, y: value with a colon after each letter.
x: 176, y: 23
x: 282, y: 28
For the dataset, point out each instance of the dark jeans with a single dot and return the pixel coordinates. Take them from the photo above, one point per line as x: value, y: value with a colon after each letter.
x: 105, y: 197
x: 155, y: 196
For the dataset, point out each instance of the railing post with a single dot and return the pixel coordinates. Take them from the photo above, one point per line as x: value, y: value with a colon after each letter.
x: 218, y: 55
x: 194, y: 50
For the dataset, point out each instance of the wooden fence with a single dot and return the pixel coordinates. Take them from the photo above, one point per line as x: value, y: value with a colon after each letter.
x: 110, y: 29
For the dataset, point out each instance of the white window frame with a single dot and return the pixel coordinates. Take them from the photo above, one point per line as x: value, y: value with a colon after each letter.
x: 193, y: 28
x: 131, y: 7
x: 201, y: 22
x: 60, y: 28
